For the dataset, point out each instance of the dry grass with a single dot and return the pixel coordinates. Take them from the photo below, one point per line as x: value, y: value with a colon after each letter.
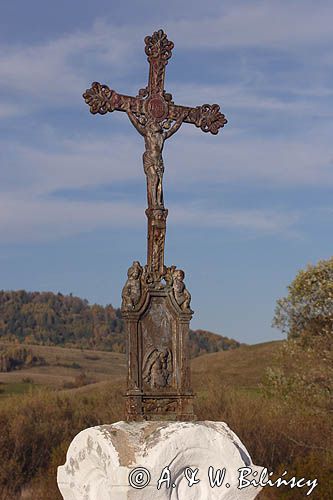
x: 291, y: 435
x: 242, y: 368
x: 38, y: 427
x: 63, y: 365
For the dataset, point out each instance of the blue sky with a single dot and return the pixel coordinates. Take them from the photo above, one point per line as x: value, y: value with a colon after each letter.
x: 247, y: 208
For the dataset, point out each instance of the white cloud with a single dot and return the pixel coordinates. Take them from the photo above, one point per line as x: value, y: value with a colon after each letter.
x: 29, y: 211
x: 280, y: 162
x: 27, y: 219
x: 269, y: 23
x: 32, y: 219
x: 243, y: 97
x: 70, y: 164
x: 54, y: 73
x: 260, y: 221
x: 191, y: 157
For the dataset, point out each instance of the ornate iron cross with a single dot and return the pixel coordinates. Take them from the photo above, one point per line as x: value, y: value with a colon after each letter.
x: 155, y: 301
x: 156, y: 117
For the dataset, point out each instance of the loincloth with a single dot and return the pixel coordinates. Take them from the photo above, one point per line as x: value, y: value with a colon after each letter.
x: 150, y: 164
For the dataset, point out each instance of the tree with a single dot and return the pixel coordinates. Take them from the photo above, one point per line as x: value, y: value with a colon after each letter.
x: 306, y: 313
x: 305, y: 362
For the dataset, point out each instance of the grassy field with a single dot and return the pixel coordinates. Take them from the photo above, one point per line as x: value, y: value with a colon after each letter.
x: 242, y: 368
x: 282, y: 434
x: 8, y: 389
x: 63, y: 366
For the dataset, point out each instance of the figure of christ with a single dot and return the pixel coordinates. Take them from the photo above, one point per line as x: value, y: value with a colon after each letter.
x: 154, y: 137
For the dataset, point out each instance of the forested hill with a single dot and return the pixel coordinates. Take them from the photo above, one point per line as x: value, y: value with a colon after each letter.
x: 47, y: 318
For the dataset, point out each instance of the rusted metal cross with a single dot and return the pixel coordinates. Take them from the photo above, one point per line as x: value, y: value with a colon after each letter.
x: 156, y: 117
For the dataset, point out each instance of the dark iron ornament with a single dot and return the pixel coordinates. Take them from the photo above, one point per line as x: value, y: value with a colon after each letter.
x: 155, y: 300
x: 101, y: 99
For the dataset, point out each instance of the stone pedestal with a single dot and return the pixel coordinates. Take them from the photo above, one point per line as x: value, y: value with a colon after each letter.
x: 126, y: 460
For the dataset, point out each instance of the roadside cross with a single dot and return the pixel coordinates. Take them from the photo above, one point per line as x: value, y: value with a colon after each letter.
x: 157, y: 315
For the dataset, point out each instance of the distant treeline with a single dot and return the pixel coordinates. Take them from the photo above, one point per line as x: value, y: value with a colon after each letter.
x: 47, y: 318
x: 14, y: 358
x: 202, y: 342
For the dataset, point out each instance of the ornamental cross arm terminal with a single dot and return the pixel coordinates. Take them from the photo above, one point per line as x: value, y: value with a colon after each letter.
x: 156, y: 313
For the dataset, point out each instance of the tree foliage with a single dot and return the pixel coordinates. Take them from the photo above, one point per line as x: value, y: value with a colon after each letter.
x: 306, y: 313
x: 55, y: 319
x: 47, y: 318
x: 202, y: 342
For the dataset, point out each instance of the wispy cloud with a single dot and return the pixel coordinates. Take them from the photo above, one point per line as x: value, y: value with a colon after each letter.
x: 89, y: 161
x: 269, y: 23
x: 54, y: 73
x: 271, y: 161
x: 244, y: 97
x: 30, y: 211
x: 258, y: 221
x: 31, y: 219
x: 70, y: 164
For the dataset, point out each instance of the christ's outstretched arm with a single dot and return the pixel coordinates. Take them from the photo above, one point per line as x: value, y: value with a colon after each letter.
x: 133, y: 119
x: 176, y: 125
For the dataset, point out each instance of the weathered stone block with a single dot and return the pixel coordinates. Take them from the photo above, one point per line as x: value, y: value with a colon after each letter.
x: 101, y: 460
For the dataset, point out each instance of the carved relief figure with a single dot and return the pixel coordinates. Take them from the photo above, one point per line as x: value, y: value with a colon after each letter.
x: 158, y: 249
x: 131, y: 293
x: 167, y: 405
x: 158, y: 368
x: 181, y: 294
x: 168, y: 274
x: 154, y: 136
x: 147, y: 277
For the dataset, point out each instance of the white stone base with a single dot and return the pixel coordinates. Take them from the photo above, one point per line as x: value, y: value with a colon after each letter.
x: 100, y: 460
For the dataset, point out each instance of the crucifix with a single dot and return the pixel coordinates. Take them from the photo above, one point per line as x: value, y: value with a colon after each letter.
x: 155, y: 300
